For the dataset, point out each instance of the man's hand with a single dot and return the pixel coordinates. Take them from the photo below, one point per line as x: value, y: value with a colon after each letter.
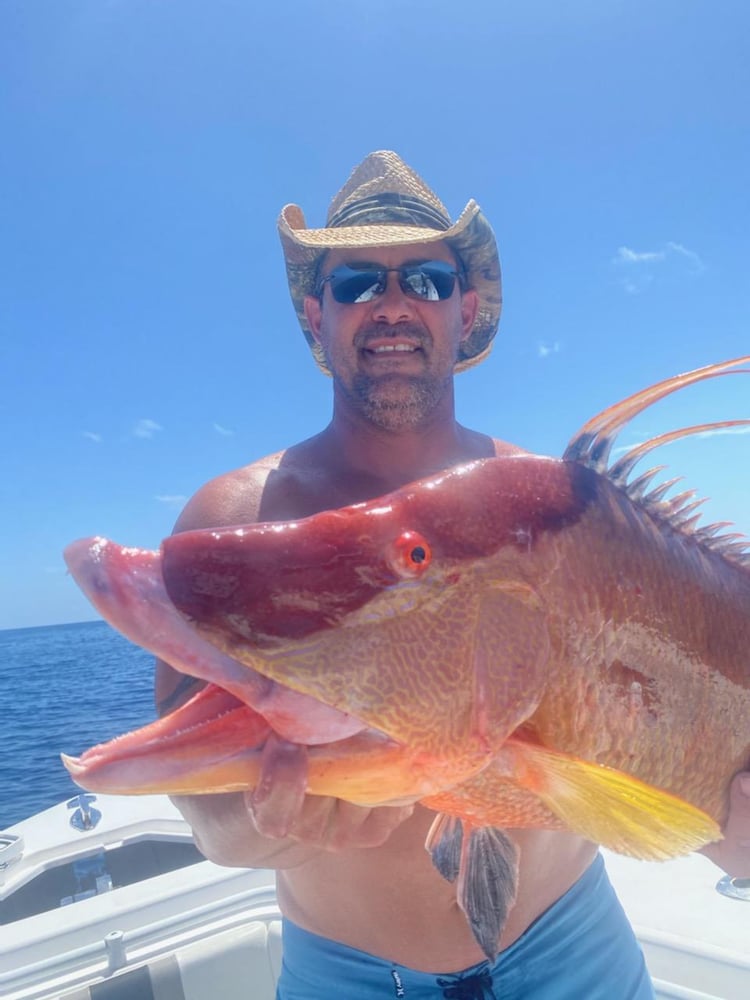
x: 232, y: 830
x: 281, y: 809
x: 732, y: 854
x: 325, y: 823
x: 277, y: 825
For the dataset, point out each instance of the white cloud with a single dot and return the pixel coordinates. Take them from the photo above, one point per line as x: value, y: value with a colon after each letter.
x: 693, y: 257
x: 638, y: 268
x: 636, y: 257
x: 172, y: 499
x: 146, y: 428
x: 96, y: 438
x: 544, y: 350
x: 222, y: 430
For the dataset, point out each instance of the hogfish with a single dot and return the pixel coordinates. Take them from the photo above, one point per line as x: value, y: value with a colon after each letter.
x: 515, y: 642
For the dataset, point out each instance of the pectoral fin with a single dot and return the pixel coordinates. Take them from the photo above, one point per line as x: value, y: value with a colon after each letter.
x: 484, y: 863
x: 444, y: 845
x: 608, y: 806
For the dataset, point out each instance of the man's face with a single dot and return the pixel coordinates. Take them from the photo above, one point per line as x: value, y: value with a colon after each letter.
x: 392, y: 358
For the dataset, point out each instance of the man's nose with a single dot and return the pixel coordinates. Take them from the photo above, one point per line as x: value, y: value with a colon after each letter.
x: 393, y: 306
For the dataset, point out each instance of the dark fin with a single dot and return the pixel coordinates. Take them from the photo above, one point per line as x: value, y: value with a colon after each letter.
x: 487, y: 884
x: 444, y: 845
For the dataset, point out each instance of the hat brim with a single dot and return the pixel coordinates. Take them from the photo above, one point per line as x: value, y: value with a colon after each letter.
x: 471, y: 238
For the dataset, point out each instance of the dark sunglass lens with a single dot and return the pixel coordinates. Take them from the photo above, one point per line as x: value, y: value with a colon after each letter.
x: 349, y: 285
x: 432, y: 282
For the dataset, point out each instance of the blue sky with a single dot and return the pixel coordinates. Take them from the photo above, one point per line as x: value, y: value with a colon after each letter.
x: 147, y: 340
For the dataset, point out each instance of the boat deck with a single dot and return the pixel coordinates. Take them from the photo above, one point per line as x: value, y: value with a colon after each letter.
x: 125, y: 907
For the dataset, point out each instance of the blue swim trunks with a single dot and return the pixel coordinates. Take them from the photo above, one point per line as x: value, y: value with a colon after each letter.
x: 582, y: 948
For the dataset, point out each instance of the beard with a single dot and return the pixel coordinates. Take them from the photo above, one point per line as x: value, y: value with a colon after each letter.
x: 394, y: 401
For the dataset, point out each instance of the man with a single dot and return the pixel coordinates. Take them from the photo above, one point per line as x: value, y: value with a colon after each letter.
x: 393, y: 299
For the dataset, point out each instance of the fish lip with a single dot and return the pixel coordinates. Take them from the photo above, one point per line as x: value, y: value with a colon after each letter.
x: 120, y: 750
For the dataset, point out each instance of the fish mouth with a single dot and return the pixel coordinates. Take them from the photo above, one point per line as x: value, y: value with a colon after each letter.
x: 224, y: 738
x: 126, y: 587
x: 216, y: 743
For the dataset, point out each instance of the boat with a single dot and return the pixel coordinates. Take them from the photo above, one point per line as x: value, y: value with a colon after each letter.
x: 107, y: 898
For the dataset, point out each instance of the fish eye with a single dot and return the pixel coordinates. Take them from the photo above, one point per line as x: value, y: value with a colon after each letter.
x: 409, y: 555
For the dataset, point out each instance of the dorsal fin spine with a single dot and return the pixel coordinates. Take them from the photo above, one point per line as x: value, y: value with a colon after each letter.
x: 593, y: 444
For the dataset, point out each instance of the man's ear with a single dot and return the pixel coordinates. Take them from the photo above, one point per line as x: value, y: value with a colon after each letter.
x: 469, y: 308
x: 313, y: 315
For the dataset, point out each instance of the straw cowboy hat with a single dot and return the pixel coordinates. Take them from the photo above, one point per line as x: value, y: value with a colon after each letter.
x: 385, y: 203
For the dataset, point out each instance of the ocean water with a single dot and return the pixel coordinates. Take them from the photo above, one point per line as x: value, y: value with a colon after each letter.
x: 63, y: 688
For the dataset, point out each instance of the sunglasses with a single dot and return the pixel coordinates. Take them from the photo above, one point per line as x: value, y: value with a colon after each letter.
x: 432, y: 281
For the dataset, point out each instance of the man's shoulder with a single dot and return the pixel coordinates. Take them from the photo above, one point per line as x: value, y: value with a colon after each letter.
x: 285, y: 485
x: 476, y: 444
x: 504, y: 449
x: 233, y: 497
x: 290, y: 484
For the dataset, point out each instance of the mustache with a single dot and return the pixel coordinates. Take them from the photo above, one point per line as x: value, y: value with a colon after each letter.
x: 377, y: 331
